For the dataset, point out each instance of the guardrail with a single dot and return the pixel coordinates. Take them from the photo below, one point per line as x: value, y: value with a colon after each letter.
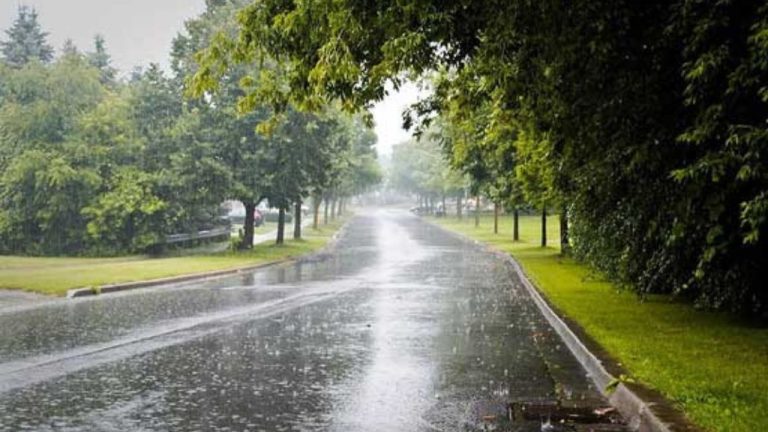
x: 200, y: 235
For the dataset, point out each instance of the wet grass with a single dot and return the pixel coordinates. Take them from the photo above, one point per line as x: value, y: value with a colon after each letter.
x: 710, y: 365
x: 56, y: 275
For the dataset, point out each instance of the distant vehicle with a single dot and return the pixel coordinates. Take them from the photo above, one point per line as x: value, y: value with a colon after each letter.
x: 272, y: 214
x: 236, y: 213
x: 419, y: 210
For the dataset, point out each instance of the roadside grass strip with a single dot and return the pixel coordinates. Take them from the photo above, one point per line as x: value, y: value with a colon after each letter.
x: 710, y: 365
x: 56, y: 275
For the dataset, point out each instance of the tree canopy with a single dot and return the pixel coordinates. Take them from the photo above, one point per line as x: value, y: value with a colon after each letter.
x: 95, y: 164
x: 646, y: 120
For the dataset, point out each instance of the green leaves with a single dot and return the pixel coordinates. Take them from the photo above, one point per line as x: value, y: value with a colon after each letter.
x: 128, y: 217
x: 614, y: 384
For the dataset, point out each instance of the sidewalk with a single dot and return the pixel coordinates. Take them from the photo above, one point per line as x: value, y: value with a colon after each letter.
x: 271, y: 235
x: 259, y: 238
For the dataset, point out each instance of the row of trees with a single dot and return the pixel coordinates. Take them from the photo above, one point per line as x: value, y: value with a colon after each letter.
x: 644, y: 121
x: 443, y: 163
x: 93, y: 164
x: 417, y: 167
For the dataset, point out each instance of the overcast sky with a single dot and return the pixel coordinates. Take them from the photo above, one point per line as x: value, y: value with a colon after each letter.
x: 139, y: 32
x: 388, y: 117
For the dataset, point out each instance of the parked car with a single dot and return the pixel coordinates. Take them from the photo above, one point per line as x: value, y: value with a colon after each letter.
x: 271, y: 215
x: 419, y: 210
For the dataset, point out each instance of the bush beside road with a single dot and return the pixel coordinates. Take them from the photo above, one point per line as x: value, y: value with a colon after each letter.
x: 711, y: 366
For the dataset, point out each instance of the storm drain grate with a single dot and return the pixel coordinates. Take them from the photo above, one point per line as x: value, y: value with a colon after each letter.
x: 547, y: 417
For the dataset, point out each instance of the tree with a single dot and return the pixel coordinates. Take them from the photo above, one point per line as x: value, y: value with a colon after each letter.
x: 42, y: 193
x: 101, y: 60
x: 26, y: 40
x: 69, y: 48
x: 129, y: 215
x: 536, y: 177
x: 49, y: 174
x: 418, y: 167
x: 480, y: 138
x: 238, y: 147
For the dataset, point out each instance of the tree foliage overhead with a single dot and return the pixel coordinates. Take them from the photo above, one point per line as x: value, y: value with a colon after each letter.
x: 646, y: 119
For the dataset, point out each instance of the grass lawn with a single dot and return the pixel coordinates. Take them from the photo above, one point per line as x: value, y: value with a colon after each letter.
x: 57, y: 275
x: 714, y: 368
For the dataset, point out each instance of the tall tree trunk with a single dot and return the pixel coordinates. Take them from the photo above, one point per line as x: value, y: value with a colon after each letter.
x: 333, y: 208
x: 565, y: 245
x: 544, y: 227
x: 458, y: 207
x: 280, y: 226
x: 477, y: 211
x: 297, y: 220
x: 340, y: 210
x: 325, y: 213
x: 316, y: 201
x: 516, y: 223
x: 445, y: 209
x: 495, y: 218
x: 250, y: 208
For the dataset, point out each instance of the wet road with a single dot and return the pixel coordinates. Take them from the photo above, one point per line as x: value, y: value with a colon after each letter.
x: 402, y: 328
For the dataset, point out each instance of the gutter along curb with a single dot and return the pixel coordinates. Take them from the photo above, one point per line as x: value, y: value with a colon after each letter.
x: 643, y: 413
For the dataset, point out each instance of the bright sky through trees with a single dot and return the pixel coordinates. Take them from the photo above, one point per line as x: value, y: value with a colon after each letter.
x: 388, y: 117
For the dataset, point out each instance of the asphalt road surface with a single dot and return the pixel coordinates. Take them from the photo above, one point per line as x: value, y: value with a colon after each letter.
x: 402, y: 327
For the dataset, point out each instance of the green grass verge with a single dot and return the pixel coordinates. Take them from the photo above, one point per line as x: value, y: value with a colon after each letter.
x: 57, y: 275
x: 711, y: 366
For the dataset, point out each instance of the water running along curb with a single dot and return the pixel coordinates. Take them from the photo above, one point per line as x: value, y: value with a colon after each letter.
x: 640, y: 414
x: 111, y: 288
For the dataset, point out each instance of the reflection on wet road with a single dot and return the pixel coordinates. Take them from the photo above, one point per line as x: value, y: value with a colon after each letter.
x: 402, y: 328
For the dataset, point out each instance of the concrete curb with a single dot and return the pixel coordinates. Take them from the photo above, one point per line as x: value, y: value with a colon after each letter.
x: 112, y: 288
x: 639, y: 413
